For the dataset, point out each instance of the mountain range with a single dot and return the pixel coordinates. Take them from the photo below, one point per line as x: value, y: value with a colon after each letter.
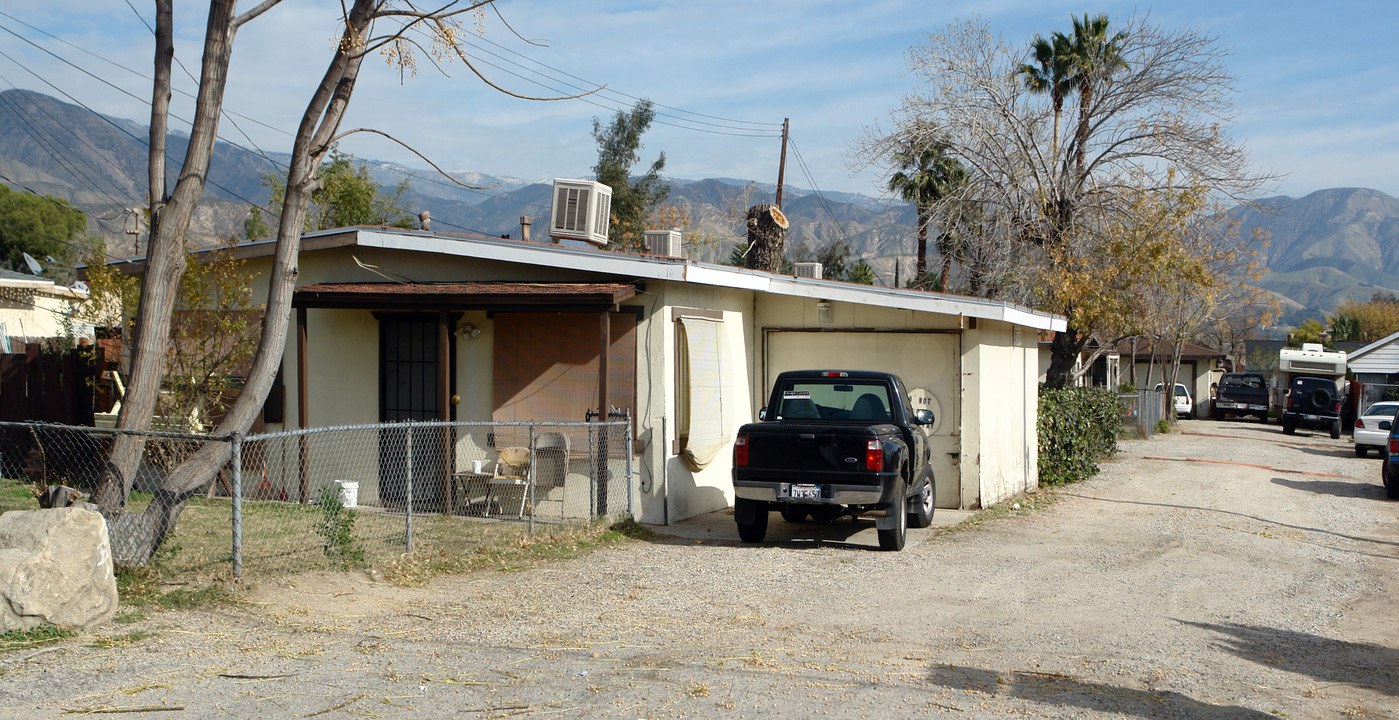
x: 1326, y: 248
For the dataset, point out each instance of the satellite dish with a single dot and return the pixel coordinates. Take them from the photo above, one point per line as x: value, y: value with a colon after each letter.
x: 33, y: 264
x: 80, y: 286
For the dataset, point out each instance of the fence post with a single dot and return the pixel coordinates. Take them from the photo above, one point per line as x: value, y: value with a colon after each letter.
x: 408, y: 532
x: 237, y: 492
x: 630, y: 480
x: 529, y: 478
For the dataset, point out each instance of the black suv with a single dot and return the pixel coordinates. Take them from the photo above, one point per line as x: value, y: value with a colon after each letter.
x: 1313, y: 402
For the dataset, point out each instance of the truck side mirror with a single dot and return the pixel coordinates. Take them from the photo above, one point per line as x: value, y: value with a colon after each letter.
x: 762, y: 413
x: 924, y: 416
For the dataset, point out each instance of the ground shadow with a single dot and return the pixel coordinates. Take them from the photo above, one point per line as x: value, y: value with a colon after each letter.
x: 810, y: 535
x: 1324, y: 659
x: 1330, y: 452
x: 1066, y: 691
x: 1338, y: 488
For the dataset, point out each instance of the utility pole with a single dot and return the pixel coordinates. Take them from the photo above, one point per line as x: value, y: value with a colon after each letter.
x: 782, y: 164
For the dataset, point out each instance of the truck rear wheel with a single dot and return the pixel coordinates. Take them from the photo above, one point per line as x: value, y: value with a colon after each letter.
x: 756, y: 528
x: 893, y: 538
x: 1336, y: 429
x: 1288, y: 427
x: 922, y: 515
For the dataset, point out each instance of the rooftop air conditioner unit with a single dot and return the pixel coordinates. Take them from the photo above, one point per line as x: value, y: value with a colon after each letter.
x: 582, y: 209
x: 664, y: 242
x: 808, y: 270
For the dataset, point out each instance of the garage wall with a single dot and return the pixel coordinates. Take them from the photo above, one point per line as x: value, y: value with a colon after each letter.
x: 1000, y: 380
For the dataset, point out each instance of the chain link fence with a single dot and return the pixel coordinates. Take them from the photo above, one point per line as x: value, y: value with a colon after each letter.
x: 336, y: 497
x: 1141, y: 411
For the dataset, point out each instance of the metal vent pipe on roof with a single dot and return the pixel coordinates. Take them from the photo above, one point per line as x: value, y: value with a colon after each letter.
x: 524, y: 227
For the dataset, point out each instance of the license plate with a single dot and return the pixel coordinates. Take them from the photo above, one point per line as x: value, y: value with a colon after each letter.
x: 806, y: 492
x: 1313, y: 418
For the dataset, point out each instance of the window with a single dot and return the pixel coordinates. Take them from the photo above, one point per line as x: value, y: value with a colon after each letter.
x: 839, y: 400
x: 546, y: 368
x: 701, y: 385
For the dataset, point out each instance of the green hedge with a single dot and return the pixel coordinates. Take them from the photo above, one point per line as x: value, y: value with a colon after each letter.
x: 1076, y: 427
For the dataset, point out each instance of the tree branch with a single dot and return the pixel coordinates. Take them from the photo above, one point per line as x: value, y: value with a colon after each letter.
x: 411, y: 149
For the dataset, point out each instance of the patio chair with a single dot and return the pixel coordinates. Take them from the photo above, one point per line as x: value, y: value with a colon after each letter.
x: 512, y: 470
x: 550, y: 466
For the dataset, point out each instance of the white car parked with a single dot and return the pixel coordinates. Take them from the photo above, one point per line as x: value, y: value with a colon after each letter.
x: 1368, y: 433
x: 1185, y: 406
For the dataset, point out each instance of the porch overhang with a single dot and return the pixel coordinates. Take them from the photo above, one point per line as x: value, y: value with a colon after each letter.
x: 493, y: 296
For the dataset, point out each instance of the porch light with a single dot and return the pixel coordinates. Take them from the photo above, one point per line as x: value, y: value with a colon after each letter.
x: 468, y: 331
x: 823, y: 312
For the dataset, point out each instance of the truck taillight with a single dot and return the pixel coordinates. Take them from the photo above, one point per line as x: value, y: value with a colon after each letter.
x: 874, y: 456
x: 741, y: 451
x: 1394, y: 446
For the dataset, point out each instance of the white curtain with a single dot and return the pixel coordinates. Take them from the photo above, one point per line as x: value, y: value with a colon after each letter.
x: 703, y: 431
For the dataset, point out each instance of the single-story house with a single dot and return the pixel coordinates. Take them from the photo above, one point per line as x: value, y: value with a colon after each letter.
x: 510, y: 330
x: 1377, y: 366
x: 1200, y: 367
x: 34, y: 309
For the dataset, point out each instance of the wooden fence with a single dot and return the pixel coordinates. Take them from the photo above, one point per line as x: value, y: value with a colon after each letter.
x: 55, y: 387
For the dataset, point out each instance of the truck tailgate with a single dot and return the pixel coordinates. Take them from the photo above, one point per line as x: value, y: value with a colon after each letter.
x: 817, y: 451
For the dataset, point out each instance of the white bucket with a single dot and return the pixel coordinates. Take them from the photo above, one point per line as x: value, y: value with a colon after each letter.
x: 349, y: 492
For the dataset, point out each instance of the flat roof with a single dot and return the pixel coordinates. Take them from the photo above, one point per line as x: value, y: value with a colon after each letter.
x: 634, y: 266
x: 462, y: 295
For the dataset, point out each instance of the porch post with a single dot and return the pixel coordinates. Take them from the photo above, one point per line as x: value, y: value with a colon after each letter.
x: 302, y: 412
x: 444, y: 402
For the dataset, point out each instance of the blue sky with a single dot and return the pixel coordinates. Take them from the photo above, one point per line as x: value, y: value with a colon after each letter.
x: 1317, y: 100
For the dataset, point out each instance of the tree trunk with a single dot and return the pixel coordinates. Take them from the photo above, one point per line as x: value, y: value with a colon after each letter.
x: 945, y: 253
x: 767, y: 237
x: 1085, y: 98
x: 165, y: 254
x: 921, y: 273
x: 142, y: 534
x: 1064, y: 352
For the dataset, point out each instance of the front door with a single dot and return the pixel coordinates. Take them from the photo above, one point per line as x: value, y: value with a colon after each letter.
x: 409, y: 389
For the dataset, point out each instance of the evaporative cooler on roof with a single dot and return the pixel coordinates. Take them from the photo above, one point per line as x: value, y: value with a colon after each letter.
x: 581, y: 211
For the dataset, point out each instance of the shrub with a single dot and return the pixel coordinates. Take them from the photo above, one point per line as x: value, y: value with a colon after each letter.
x: 1076, y: 427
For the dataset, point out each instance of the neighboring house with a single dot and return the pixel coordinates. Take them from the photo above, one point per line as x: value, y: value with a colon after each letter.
x: 506, y: 330
x: 1200, y: 366
x: 1377, y: 366
x: 34, y: 309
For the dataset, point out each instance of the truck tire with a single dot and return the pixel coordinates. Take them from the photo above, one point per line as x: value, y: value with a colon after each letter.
x: 1218, y: 414
x: 922, y: 515
x: 1336, y: 429
x: 1288, y: 427
x: 893, y: 538
x: 1391, y: 484
x: 757, y: 529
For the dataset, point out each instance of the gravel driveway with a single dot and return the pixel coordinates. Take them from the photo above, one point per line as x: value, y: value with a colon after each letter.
x: 1259, y: 585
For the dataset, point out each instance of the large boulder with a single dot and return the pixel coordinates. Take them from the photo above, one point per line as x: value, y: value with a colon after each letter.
x: 55, y: 567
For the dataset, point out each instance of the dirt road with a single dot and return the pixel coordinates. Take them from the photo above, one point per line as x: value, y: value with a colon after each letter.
x: 1260, y: 585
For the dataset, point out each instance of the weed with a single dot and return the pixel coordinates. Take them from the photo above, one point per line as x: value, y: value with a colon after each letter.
x: 130, y: 617
x: 1163, y: 426
x: 107, y: 643
x: 33, y: 637
x: 336, y: 527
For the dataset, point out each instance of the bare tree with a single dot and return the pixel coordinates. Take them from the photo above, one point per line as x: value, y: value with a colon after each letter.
x: 407, y: 30
x: 1155, y: 119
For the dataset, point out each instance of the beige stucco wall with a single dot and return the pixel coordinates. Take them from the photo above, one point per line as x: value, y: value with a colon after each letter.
x: 33, y: 315
x: 1000, y: 406
x: 667, y: 489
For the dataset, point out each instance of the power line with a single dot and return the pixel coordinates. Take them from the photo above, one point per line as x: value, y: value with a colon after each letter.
x: 59, y: 157
x: 801, y: 162
x: 633, y: 98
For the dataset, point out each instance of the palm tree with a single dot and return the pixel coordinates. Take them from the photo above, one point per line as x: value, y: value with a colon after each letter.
x: 1052, y: 72
x: 1096, y: 57
x: 926, y: 175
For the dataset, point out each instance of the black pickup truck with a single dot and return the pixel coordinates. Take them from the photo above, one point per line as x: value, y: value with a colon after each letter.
x: 1241, y: 394
x: 832, y: 441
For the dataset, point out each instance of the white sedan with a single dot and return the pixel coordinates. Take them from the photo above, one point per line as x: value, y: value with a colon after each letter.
x: 1368, y: 433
